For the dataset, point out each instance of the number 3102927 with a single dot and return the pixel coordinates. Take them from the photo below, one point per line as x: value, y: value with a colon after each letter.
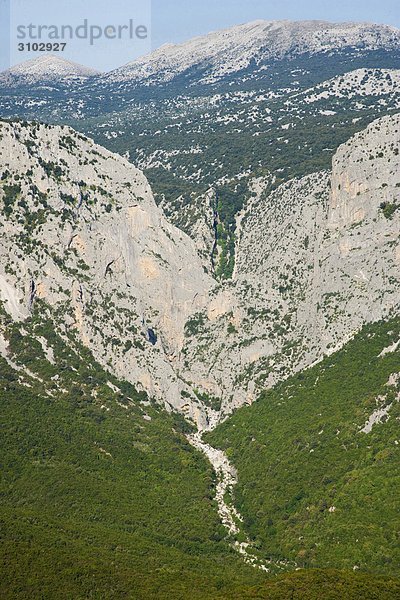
x: 42, y: 47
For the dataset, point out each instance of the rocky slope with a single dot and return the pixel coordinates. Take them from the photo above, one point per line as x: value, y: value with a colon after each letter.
x: 81, y: 232
x: 361, y: 82
x: 224, y: 53
x: 316, y: 258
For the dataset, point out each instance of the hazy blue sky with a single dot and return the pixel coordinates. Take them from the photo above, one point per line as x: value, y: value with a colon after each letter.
x: 169, y: 21
x: 178, y: 20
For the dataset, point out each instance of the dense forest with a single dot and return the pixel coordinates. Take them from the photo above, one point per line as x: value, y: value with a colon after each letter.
x: 313, y: 487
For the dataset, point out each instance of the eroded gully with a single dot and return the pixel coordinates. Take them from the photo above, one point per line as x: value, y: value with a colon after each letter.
x: 230, y: 517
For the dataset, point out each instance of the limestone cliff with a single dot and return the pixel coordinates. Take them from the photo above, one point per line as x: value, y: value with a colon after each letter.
x: 316, y: 259
x: 80, y: 230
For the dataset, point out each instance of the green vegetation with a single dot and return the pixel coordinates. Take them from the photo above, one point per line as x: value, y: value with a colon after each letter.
x: 209, y: 400
x: 312, y: 488
x: 388, y: 209
x: 194, y: 325
x: 316, y: 584
x: 230, y: 199
x: 102, y: 496
x: 11, y: 195
x: 51, y: 169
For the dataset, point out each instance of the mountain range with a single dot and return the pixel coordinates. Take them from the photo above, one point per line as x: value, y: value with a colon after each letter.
x: 201, y: 255
x: 247, y: 48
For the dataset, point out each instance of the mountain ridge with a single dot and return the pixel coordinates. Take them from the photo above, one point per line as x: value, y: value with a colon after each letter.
x: 261, y: 40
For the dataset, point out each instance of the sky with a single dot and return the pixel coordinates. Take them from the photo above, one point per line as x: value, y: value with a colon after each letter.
x: 178, y: 20
x: 166, y: 21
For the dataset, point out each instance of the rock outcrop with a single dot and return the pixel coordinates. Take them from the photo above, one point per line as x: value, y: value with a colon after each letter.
x: 80, y: 231
x: 316, y: 259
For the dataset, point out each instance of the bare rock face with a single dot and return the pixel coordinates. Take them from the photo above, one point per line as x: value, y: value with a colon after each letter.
x: 316, y: 259
x: 81, y: 231
x: 365, y: 174
x: 197, y: 219
x: 362, y: 236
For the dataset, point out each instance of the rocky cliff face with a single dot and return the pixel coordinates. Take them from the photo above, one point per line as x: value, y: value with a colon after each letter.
x: 316, y: 259
x: 83, y: 237
x: 80, y: 231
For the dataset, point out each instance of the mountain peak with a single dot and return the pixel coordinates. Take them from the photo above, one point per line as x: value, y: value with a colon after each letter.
x: 47, y: 68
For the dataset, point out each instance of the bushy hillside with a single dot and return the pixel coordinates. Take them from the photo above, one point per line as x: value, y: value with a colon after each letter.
x: 102, y: 496
x: 318, y: 481
x: 328, y: 584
